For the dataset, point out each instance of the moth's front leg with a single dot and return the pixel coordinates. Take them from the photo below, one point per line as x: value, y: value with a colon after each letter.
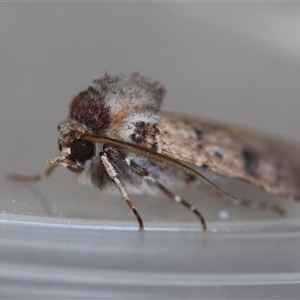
x: 30, y: 178
x: 109, y: 163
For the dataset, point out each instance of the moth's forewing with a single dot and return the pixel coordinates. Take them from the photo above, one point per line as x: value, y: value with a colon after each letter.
x: 232, y: 151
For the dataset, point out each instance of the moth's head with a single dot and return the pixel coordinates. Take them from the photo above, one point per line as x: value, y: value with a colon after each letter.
x: 75, y: 151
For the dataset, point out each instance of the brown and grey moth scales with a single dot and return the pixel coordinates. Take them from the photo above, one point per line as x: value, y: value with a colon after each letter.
x: 117, y: 137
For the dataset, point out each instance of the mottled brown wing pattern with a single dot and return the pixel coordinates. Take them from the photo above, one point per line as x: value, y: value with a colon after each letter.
x: 232, y: 151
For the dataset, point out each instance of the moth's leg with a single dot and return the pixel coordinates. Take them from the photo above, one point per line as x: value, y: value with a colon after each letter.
x: 253, y: 204
x: 148, y: 177
x: 113, y: 174
x: 37, y: 177
x: 178, y: 199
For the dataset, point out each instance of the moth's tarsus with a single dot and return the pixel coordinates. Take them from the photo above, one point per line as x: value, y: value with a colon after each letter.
x: 38, y: 177
x: 137, y: 215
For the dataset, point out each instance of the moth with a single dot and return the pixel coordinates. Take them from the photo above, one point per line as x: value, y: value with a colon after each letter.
x: 117, y: 138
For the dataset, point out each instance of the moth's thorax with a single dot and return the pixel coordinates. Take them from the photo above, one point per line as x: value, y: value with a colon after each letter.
x: 112, y: 105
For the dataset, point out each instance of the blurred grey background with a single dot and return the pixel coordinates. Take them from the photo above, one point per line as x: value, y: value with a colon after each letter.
x: 232, y: 62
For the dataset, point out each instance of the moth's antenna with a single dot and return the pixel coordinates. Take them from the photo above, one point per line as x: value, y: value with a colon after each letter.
x: 163, y: 158
x: 154, y: 156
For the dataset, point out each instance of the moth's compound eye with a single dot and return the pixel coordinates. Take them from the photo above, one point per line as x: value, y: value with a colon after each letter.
x: 81, y: 150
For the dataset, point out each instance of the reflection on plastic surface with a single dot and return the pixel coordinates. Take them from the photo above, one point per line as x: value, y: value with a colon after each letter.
x: 47, y: 258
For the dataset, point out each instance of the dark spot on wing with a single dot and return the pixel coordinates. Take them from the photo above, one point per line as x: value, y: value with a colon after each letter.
x: 204, y: 166
x: 251, y: 159
x: 218, y: 154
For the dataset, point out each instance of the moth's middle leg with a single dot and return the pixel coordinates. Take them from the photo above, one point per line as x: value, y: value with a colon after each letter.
x: 151, y: 180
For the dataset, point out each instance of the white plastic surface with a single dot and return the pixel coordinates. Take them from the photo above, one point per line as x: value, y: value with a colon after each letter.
x: 90, y: 261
